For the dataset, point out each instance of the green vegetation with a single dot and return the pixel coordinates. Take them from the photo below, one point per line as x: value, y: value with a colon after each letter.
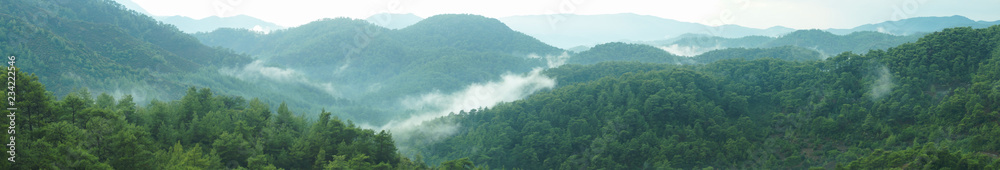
x: 635, y: 52
x: 788, y: 53
x: 648, y: 54
x: 929, y: 104
x: 777, y: 104
x: 443, y: 52
x: 99, y: 44
x: 823, y: 41
x: 200, y: 131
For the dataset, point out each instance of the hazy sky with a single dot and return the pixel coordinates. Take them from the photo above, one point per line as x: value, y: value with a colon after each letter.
x: 798, y: 14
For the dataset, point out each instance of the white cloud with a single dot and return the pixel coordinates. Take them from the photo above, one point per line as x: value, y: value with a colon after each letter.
x: 687, y: 51
x: 436, y: 104
x: 883, y: 83
x: 553, y: 61
x: 256, y: 71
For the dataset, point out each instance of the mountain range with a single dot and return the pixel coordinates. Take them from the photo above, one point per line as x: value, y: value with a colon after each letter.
x: 564, y: 30
x: 819, y: 40
x: 463, y: 91
x: 567, y: 30
x: 189, y: 25
x: 394, y: 59
x: 917, y: 25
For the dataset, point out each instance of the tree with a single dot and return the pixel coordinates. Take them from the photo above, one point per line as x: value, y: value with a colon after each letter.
x: 127, y: 107
x: 459, y: 164
x: 105, y: 101
x: 177, y: 158
x: 284, y: 116
x: 232, y: 149
x: 72, y: 105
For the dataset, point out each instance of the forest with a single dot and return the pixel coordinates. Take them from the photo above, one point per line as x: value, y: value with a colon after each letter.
x: 99, y: 86
x: 200, y: 131
x: 929, y: 104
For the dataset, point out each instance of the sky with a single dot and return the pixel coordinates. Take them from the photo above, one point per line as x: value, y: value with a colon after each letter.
x: 798, y: 14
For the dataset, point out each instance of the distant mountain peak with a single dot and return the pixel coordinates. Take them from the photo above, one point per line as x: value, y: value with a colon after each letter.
x: 133, y: 6
x: 190, y: 25
x: 915, y: 25
x: 451, y: 22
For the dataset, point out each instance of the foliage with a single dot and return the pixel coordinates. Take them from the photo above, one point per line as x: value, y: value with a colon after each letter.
x: 824, y: 42
x: 200, y: 131
x: 928, y: 104
x: 617, y: 51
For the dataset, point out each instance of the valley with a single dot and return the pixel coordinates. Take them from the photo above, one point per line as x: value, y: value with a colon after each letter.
x: 101, y: 85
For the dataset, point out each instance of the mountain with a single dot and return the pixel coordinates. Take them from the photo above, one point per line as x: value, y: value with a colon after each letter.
x: 787, y: 53
x: 565, y: 30
x: 105, y: 47
x: 189, y: 25
x: 568, y: 30
x: 442, y: 53
x: 110, y: 49
x: 930, y: 104
x: 825, y: 42
x: 393, y: 21
x: 626, y: 52
x: 916, y: 25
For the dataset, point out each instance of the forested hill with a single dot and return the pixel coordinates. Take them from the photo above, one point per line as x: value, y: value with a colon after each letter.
x: 443, y: 52
x: 99, y: 44
x: 931, y: 104
x: 201, y: 131
x: 627, y: 52
x: 825, y: 42
x: 618, y: 51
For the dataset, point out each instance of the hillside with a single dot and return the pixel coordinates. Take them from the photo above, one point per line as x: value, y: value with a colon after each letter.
x: 443, y: 52
x: 208, y: 24
x: 101, y: 47
x: 105, y: 48
x: 626, y: 52
x: 202, y: 130
x: 931, y: 104
x: 787, y: 53
x: 825, y: 42
x: 565, y: 30
x: 916, y: 25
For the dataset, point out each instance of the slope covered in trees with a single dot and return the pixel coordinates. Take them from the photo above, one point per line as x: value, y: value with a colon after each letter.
x: 443, y: 52
x: 789, y: 53
x: 929, y: 104
x: 626, y: 52
x: 200, y: 131
x: 618, y: 51
x: 825, y: 42
x: 101, y: 45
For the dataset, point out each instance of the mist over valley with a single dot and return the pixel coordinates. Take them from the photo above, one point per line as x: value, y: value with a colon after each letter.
x: 122, y: 84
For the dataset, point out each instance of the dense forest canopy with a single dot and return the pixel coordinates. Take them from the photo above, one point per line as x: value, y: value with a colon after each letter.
x: 828, y: 44
x: 98, y: 86
x: 929, y: 104
x: 442, y: 52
